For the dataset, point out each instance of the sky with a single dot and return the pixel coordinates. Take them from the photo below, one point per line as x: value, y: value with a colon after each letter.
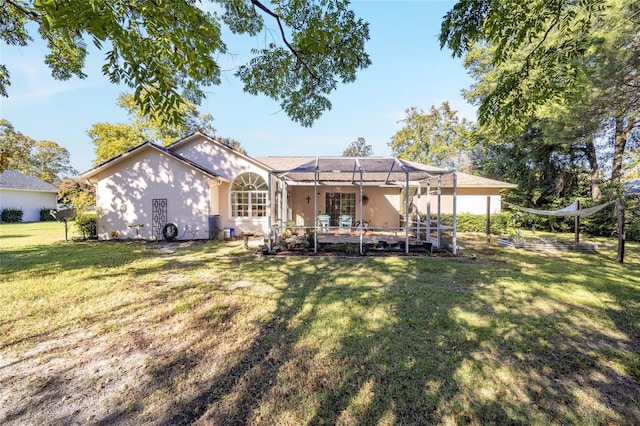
x: 408, y: 69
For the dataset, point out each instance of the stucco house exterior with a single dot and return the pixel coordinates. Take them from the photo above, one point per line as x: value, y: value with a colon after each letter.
x: 27, y: 193
x: 203, y: 186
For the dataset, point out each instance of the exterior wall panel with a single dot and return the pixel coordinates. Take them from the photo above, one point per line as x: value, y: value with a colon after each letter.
x: 30, y: 202
x: 126, y: 195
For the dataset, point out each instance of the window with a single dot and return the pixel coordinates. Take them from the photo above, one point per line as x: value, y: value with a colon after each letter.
x: 249, y: 196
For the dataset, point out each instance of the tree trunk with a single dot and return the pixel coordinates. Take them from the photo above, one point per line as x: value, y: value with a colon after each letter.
x: 620, y: 142
x: 590, y: 153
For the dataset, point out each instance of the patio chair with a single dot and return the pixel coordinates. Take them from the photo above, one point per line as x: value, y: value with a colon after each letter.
x: 323, y: 222
x: 345, y: 223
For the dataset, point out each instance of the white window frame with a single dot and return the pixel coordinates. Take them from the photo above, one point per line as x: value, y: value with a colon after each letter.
x: 249, y: 196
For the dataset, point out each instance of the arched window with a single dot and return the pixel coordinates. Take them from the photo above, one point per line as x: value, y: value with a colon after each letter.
x: 249, y: 196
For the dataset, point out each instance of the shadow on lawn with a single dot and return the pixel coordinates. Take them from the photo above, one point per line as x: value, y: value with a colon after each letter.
x: 463, y: 342
x: 462, y: 346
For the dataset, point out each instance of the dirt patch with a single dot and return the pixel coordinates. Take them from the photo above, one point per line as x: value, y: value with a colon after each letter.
x: 74, y: 378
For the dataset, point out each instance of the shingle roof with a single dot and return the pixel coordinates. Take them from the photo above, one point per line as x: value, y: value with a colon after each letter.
x: 14, y: 179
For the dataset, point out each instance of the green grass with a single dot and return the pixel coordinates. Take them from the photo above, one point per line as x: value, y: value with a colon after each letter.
x: 213, y: 333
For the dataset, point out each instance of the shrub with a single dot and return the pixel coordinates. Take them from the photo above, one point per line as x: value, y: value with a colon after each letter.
x: 467, y: 222
x: 46, y: 216
x: 11, y: 215
x: 86, y: 225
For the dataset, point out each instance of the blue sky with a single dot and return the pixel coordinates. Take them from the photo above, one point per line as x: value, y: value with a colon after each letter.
x: 408, y: 69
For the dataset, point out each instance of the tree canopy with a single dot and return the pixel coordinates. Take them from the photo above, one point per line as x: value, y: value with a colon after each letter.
x: 167, y: 50
x: 44, y: 159
x: 541, y: 49
x: 358, y: 148
x: 111, y: 140
x: 588, y: 123
x: 438, y: 137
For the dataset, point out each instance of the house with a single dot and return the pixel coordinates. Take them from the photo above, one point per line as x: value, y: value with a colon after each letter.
x: 27, y: 193
x: 203, y: 186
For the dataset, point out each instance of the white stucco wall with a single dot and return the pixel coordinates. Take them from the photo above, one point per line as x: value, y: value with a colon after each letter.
x: 228, y: 164
x: 125, y: 195
x: 471, y: 200
x: 30, y: 202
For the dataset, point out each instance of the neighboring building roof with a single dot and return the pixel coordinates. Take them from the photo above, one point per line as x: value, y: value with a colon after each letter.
x: 283, y: 162
x: 148, y: 145
x: 14, y: 179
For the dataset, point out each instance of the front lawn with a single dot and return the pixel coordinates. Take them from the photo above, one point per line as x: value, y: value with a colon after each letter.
x: 157, y: 333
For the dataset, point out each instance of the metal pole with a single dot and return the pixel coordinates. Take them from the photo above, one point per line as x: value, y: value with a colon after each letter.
x: 315, y: 211
x: 406, y: 210
x: 428, y: 211
x: 621, y: 235
x: 455, y: 200
x: 488, y: 224
x: 361, y: 211
x: 576, y: 223
x: 438, y: 223
x: 269, y: 202
x: 419, y: 190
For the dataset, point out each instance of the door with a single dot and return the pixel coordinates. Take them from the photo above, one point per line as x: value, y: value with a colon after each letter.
x: 340, y: 203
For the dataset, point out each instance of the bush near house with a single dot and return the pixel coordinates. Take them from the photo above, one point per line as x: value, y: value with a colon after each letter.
x: 46, y: 216
x: 86, y: 225
x: 11, y: 215
x: 467, y: 222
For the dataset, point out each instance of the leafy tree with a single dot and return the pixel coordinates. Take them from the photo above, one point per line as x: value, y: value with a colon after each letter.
x: 111, y: 140
x: 358, y: 148
x: 167, y: 50
x: 233, y: 144
x: 75, y: 192
x: 600, y: 104
x: 15, y: 148
x: 44, y: 159
x: 50, y: 162
x: 541, y: 40
x: 438, y: 137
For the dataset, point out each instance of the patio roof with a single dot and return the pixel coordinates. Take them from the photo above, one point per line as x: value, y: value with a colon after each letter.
x: 370, y: 170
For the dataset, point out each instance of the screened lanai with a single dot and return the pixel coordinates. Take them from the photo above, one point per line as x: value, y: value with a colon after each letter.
x: 356, y: 199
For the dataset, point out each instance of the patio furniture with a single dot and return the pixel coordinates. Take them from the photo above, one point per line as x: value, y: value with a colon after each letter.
x: 323, y: 222
x: 365, y: 225
x: 345, y: 223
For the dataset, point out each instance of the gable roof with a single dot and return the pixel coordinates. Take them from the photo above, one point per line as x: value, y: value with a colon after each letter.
x: 199, y: 136
x: 14, y: 179
x: 148, y: 145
